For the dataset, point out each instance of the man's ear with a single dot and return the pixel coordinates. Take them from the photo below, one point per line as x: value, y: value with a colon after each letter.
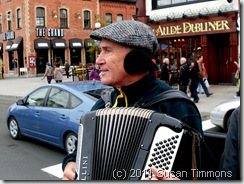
x: 137, y: 61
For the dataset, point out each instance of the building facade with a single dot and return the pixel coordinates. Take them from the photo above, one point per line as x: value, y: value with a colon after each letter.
x: 36, y: 32
x: 187, y: 28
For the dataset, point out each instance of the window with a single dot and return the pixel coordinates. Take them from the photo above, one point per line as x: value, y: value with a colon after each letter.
x: 74, y: 101
x: 37, y: 97
x: 58, y: 98
x: 63, y: 18
x: 40, y: 17
x: 19, y: 23
x: 108, y: 18
x: 87, y: 19
x: 119, y: 17
x: 9, y: 19
x: 1, y: 22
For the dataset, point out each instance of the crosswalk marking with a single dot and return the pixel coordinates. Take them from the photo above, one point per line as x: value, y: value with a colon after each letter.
x: 55, y: 170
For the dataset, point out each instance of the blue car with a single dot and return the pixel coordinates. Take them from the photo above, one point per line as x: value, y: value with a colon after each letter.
x: 51, y: 113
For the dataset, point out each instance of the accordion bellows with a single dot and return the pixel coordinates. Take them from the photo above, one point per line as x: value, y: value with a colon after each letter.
x: 122, y: 143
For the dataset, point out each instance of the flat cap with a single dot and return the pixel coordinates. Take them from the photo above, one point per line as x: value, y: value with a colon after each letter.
x: 129, y: 33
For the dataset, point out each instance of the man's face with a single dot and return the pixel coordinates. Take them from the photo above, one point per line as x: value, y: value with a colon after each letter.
x: 111, y: 62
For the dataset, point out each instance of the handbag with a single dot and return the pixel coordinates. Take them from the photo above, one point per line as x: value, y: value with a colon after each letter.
x: 237, y: 74
x: 206, y: 82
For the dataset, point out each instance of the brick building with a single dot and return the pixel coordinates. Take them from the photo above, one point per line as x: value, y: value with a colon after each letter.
x: 34, y: 32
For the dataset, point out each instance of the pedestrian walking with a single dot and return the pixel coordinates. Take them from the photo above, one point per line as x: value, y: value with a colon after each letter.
x: 164, y: 75
x: 194, y: 81
x: 184, y: 74
x: 58, y: 74
x: 48, y: 73
x: 202, y: 75
x: 67, y: 66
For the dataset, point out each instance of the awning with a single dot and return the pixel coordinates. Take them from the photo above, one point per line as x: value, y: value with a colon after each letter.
x: 88, y: 42
x: 41, y: 43
x: 8, y: 46
x: 1, y: 46
x: 75, y: 43
x: 18, y: 44
x: 59, y: 43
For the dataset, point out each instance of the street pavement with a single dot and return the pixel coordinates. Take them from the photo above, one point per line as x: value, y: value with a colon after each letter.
x: 18, y: 87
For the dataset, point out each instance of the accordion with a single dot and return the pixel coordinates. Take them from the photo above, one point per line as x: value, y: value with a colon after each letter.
x: 123, y: 143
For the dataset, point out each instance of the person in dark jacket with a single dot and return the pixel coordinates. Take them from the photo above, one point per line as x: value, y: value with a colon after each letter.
x: 126, y: 65
x: 194, y: 81
x: 164, y: 75
x: 184, y: 75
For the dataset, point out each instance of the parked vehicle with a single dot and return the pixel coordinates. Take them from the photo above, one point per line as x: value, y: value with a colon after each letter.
x: 51, y: 113
x: 220, y: 114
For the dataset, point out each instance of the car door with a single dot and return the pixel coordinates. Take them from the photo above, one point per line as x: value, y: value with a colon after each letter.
x: 30, y: 113
x: 55, y: 115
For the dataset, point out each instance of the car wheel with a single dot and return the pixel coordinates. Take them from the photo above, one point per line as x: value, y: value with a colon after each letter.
x: 70, y: 142
x: 14, y: 128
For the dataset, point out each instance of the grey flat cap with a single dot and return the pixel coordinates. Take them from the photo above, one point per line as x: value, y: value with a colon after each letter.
x: 129, y: 33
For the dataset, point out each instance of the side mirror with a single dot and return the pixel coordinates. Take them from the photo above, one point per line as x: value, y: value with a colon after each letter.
x: 20, y: 102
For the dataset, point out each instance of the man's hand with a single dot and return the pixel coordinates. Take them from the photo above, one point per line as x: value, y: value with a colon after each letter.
x: 160, y: 174
x: 69, y: 171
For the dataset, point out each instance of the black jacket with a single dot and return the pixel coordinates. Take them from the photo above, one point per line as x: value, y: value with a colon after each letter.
x: 144, y: 90
x: 184, y: 74
x: 164, y: 75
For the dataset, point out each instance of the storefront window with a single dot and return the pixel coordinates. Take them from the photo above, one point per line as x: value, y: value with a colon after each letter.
x: 176, y: 48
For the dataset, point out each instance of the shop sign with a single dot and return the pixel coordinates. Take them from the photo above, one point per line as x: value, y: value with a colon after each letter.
x: 42, y: 32
x: 195, y: 28
x: 8, y: 35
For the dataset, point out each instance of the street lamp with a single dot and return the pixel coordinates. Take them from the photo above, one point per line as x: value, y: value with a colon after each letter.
x: 97, y: 25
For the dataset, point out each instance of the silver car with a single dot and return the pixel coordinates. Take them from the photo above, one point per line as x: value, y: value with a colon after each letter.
x: 220, y: 114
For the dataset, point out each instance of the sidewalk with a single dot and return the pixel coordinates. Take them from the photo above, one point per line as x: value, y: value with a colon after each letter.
x: 19, y: 87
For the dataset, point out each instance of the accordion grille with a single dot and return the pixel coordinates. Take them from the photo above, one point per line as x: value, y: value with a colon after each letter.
x: 118, y: 136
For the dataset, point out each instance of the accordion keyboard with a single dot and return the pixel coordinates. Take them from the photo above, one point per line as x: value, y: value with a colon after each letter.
x: 163, y: 150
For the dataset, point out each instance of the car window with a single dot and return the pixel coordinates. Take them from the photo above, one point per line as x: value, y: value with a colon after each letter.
x: 37, y: 97
x: 58, y: 98
x: 74, y: 101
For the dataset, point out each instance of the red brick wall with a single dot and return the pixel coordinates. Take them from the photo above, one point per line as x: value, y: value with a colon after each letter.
x: 75, y: 26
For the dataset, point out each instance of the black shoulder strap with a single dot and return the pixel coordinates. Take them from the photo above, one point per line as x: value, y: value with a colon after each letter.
x: 167, y: 95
